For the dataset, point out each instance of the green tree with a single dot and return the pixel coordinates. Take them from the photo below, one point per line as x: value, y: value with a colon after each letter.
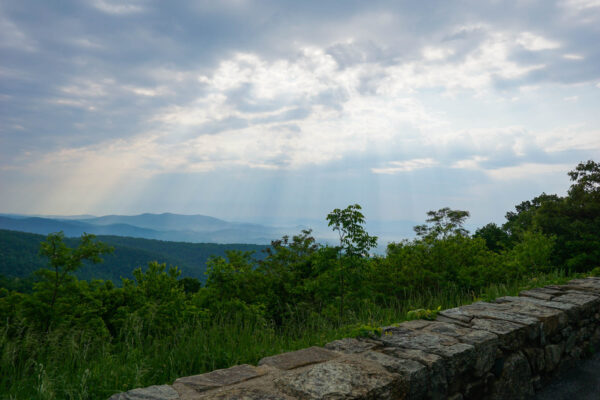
x: 63, y: 261
x: 286, y: 269
x: 355, y: 242
x: 496, y: 238
x: 443, y: 223
x: 523, y: 218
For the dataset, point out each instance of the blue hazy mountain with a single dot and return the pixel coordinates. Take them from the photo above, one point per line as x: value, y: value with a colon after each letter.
x: 170, y: 227
x: 175, y: 222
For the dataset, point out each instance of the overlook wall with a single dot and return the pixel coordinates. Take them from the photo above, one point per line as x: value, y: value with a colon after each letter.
x: 506, y: 349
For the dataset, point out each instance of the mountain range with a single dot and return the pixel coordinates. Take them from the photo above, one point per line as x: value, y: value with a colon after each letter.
x: 166, y: 226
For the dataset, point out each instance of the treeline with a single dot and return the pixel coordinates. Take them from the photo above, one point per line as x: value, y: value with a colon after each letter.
x: 295, y: 282
x: 20, y: 258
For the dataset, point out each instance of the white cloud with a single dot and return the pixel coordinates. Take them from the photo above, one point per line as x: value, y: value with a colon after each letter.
x: 469, y: 163
x: 148, y: 92
x: 337, y: 116
x: 575, y: 137
x: 526, y: 171
x: 395, y: 167
x: 571, y: 56
x: 533, y: 42
x: 123, y: 7
x: 581, y: 5
x: 436, y: 53
x: 476, y: 71
x: 571, y: 98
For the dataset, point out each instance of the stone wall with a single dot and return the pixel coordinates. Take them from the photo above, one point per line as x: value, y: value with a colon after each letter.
x: 506, y: 349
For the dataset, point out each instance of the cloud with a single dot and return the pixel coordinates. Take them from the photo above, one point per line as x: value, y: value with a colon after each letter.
x: 469, y: 163
x: 534, y: 42
x: 576, y: 57
x: 395, y: 167
x: 118, y: 7
x: 527, y: 171
x: 582, y: 5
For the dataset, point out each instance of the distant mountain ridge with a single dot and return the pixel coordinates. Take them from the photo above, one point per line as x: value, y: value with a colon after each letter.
x: 166, y: 226
x: 19, y: 256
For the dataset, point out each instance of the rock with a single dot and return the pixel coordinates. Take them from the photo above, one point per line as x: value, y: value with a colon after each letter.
x: 515, y: 381
x: 414, y: 375
x: 485, y: 343
x: 552, y: 354
x: 350, y: 346
x: 458, y: 357
x: 474, y: 390
x: 537, y: 359
x: 507, y: 320
x: 511, y: 336
x: 162, y: 392
x: 591, y: 286
x: 218, y: 378
x: 246, y: 394
x: 570, y: 341
x: 437, y: 384
x: 576, y: 353
x: 340, y: 379
x: 587, y: 303
x: 295, y: 359
x: 492, y: 311
x: 552, y: 314
x: 540, y: 294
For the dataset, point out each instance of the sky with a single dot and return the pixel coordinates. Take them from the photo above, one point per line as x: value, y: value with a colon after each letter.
x: 275, y: 111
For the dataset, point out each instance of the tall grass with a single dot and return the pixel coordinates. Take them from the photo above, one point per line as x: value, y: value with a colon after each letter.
x: 74, y: 365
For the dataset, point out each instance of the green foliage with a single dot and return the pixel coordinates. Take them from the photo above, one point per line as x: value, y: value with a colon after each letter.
x: 364, y: 331
x: 573, y: 221
x: 355, y: 242
x: 443, y: 223
x: 496, y: 238
x: 423, y: 313
x: 58, y: 291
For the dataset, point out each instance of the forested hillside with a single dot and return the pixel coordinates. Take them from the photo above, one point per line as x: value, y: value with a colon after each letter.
x: 75, y: 339
x: 19, y: 256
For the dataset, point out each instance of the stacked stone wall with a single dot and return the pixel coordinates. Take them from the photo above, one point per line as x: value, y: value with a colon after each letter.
x: 506, y: 349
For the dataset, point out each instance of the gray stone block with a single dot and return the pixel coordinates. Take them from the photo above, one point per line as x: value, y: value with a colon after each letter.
x: 162, y: 392
x: 515, y: 380
x: 218, y: 378
x: 351, y: 345
x: 300, y: 358
x: 341, y: 379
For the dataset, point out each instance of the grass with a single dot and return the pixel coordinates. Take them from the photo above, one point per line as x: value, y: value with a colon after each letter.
x: 73, y: 365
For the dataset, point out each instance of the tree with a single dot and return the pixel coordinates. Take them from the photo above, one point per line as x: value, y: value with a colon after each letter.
x: 64, y: 260
x: 586, y: 177
x: 496, y: 238
x: 443, y: 223
x: 523, y: 218
x: 354, y: 240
